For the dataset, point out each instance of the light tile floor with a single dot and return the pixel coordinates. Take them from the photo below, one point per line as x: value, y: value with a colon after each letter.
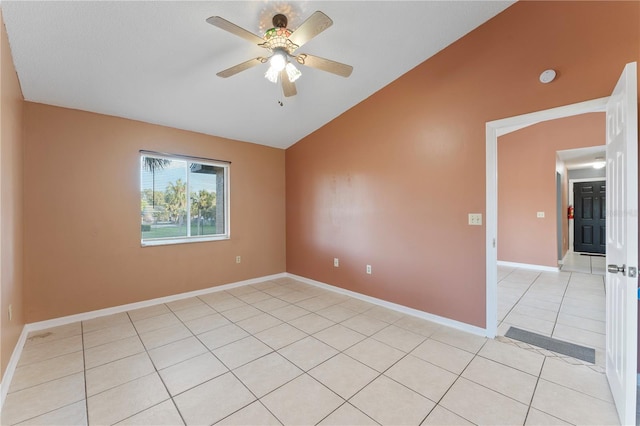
x: 576, y: 262
x: 283, y: 352
x: 568, y: 306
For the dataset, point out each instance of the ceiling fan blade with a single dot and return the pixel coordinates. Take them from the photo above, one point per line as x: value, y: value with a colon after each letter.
x: 323, y: 64
x: 241, y: 67
x: 314, y: 25
x: 288, y: 87
x: 222, y: 23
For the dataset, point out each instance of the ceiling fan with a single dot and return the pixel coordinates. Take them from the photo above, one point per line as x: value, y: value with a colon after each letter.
x: 282, y: 43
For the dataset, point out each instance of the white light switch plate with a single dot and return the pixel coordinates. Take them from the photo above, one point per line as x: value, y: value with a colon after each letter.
x: 540, y: 214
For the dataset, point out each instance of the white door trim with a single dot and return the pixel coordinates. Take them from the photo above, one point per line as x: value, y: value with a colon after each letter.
x: 571, y: 182
x: 493, y: 130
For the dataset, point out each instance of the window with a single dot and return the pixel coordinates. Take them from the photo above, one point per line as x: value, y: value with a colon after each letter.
x: 182, y: 199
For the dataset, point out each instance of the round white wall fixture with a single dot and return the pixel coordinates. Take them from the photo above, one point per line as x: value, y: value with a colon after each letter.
x: 547, y: 76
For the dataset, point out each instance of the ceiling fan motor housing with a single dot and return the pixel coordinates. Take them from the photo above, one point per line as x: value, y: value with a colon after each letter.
x: 279, y: 21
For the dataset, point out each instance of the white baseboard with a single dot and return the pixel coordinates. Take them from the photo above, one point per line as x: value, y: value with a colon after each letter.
x: 11, y: 367
x: 529, y: 266
x: 396, y: 307
x: 41, y: 325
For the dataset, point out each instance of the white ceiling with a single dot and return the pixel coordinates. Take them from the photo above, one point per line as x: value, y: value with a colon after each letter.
x: 582, y: 158
x: 155, y: 61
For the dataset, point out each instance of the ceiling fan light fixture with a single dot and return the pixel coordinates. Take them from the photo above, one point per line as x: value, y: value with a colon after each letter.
x: 272, y: 74
x: 292, y: 72
x: 278, y: 61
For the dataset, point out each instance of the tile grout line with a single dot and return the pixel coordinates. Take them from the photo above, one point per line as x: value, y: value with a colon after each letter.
x: 565, y: 297
x: 538, y: 378
x: 582, y: 302
x: 601, y: 279
x: 454, y: 382
x: 555, y: 323
x: 84, y: 372
x: 379, y: 373
x: 130, y: 321
x: 382, y: 373
x: 535, y: 388
x: 346, y: 400
x: 157, y: 371
x: 306, y: 372
x: 257, y: 399
x: 273, y: 350
x: 49, y: 381
x: 519, y: 299
x: 146, y: 351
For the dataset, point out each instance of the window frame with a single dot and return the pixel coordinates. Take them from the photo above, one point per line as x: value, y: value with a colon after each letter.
x: 225, y: 165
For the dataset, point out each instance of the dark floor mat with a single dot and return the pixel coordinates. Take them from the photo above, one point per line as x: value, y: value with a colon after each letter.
x: 551, y: 344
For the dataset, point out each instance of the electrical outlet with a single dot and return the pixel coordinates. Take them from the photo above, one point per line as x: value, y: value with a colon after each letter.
x: 238, y: 259
x: 10, y: 312
x: 475, y: 219
x: 540, y: 215
x: 336, y: 262
x: 369, y: 269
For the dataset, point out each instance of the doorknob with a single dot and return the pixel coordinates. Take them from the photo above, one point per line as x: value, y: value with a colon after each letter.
x: 614, y: 269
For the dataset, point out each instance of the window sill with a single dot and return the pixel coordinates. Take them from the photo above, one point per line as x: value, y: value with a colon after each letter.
x: 171, y: 241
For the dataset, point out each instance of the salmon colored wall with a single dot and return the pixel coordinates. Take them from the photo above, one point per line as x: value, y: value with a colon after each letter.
x: 390, y: 182
x: 82, y: 214
x: 11, y: 193
x: 527, y: 185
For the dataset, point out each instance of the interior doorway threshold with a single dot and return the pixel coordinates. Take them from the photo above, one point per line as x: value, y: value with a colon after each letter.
x: 559, y: 346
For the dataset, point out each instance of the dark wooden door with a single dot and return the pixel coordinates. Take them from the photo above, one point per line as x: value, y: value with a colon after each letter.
x: 589, y: 222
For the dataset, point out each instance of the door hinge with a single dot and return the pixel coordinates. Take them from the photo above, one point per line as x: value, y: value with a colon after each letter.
x: 494, y: 243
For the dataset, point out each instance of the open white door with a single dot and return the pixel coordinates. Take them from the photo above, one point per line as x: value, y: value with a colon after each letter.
x: 622, y: 244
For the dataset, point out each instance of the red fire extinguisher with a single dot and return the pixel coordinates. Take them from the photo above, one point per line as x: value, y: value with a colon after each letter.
x: 570, y: 212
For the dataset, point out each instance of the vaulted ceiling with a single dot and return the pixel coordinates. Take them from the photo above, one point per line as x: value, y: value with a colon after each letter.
x: 156, y: 61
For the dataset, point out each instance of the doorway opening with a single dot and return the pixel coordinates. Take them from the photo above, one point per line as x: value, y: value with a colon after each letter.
x: 622, y: 234
x: 495, y: 129
x: 534, y: 165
